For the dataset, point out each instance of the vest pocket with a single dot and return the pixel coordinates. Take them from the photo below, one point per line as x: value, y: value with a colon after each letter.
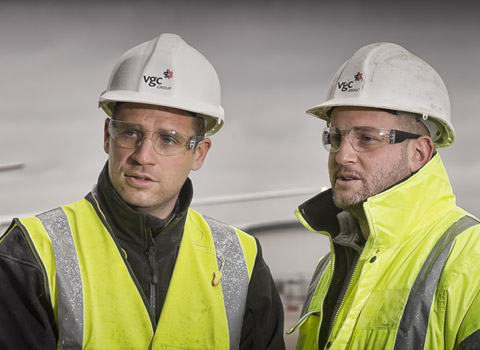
x: 383, y: 309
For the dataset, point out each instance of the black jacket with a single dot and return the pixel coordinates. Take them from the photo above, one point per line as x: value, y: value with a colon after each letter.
x: 150, y: 244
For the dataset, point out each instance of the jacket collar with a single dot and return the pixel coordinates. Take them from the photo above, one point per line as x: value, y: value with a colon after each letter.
x: 132, y: 222
x: 394, y: 214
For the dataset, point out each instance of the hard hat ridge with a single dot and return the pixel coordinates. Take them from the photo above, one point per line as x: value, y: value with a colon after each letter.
x: 166, y: 71
x: 387, y: 76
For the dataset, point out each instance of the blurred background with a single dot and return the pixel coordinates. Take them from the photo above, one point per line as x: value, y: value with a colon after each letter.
x: 275, y: 59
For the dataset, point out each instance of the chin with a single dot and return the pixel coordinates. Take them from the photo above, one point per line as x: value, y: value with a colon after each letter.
x: 347, y: 203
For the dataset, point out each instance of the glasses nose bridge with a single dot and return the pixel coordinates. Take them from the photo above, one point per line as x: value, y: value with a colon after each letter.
x: 146, y: 134
x: 345, y: 135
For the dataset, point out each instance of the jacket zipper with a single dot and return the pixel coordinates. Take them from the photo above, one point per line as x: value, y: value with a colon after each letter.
x: 354, y: 278
x: 102, y: 217
x: 154, y: 275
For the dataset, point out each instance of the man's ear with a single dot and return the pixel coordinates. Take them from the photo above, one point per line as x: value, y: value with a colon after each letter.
x: 106, y: 136
x: 201, y: 153
x: 420, y: 151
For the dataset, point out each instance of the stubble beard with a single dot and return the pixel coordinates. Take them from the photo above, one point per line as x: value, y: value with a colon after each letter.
x: 373, y: 185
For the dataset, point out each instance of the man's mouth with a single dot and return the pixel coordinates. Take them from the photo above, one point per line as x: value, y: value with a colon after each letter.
x: 347, y: 177
x: 139, y: 179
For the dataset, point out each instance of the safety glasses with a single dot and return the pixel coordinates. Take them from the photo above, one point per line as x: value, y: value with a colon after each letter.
x: 363, y: 138
x: 165, y: 142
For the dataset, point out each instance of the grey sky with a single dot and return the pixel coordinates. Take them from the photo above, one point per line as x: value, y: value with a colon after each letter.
x: 275, y: 59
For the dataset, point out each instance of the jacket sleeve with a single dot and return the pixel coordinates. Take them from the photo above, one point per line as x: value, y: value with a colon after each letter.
x: 469, y: 333
x: 26, y: 315
x: 263, y: 320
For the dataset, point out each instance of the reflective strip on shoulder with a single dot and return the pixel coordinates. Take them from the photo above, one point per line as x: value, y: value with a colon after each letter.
x: 232, y: 264
x: 70, y: 292
x: 412, y: 330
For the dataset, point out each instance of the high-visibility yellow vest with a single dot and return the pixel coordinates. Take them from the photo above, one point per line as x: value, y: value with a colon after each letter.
x: 99, y: 306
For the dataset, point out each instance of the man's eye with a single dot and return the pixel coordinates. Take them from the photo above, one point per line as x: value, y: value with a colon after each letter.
x: 168, y: 140
x: 367, y: 138
x: 129, y: 133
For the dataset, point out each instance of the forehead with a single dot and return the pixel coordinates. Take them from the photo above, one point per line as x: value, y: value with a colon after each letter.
x: 151, y: 116
x: 348, y: 117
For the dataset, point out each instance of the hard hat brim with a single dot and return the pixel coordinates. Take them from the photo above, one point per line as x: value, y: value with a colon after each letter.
x: 213, y: 117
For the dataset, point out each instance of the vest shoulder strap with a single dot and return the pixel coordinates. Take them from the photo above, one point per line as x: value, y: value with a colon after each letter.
x: 235, y: 278
x: 69, y: 280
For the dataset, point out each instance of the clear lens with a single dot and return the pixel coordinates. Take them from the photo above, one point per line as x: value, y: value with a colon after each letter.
x: 165, y: 142
x: 363, y: 138
x: 329, y: 142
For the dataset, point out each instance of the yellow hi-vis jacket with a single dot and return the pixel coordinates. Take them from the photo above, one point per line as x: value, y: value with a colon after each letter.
x: 416, y: 284
x: 98, y: 304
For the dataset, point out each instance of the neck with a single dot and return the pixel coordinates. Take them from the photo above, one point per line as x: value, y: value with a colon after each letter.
x: 364, y: 227
x: 359, y: 214
x: 164, y: 213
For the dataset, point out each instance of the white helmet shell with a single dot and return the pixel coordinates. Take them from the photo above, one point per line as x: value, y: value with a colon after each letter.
x: 166, y: 71
x: 387, y: 76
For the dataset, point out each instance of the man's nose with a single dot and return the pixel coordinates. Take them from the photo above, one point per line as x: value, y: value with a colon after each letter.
x: 144, y: 151
x: 346, y: 153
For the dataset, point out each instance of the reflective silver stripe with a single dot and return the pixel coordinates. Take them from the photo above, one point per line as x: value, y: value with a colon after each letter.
x: 412, y: 330
x: 235, y: 276
x: 70, y: 294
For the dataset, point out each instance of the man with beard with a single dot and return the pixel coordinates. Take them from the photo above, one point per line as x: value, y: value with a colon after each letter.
x: 403, y: 269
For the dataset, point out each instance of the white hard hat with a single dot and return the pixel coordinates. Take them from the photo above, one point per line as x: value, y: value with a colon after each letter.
x: 387, y: 76
x: 166, y: 71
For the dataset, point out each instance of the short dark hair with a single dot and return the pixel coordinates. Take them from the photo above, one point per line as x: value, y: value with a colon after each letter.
x: 198, y: 125
x: 413, y: 123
